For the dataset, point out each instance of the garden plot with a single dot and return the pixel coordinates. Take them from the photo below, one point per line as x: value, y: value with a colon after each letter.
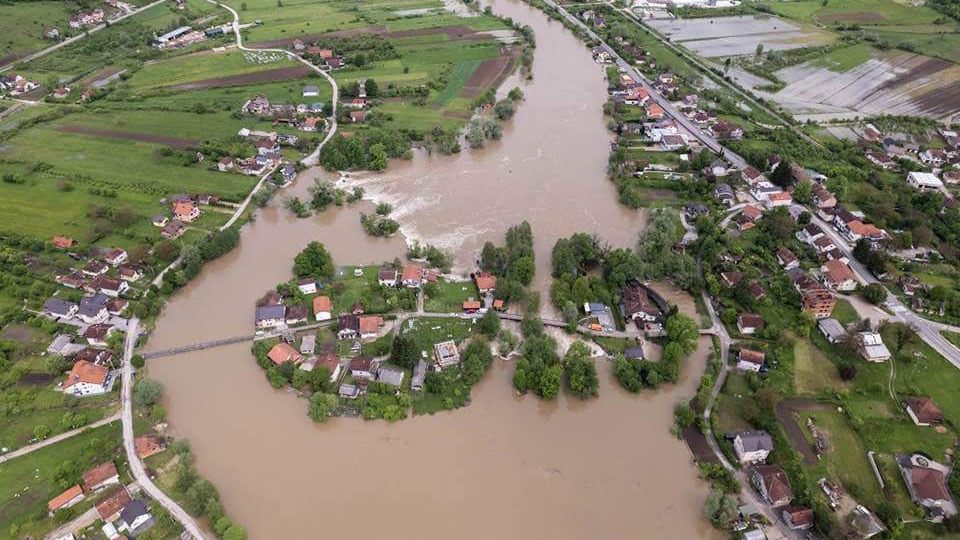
x: 737, y: 36
x: 888, y: 83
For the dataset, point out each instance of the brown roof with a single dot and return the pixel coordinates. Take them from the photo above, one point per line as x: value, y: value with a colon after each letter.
x: 752, y: 356
x: 929, y: 484
x: 112, y: 505
x: 282, y: 352
x: 97, y: 331
x: 84, y: 371
x: 776, y: 482
x: 864, y: 229
x: 486, y: 280
x: 752, y: 212
x: 472, y: 304
x: 799, y: 515
x: 757, y: 291
x: 636, y: 300
x: 370, y: 323
x: 786, y: 255
x: 412, y: 272
x: 322, y: 303
x: 99, y: 474
x: 925, y: 410
x: 750, y: 320
x: 837, y: 271
x: 361, y: 363
x: 64, y: 498
x: 62, y: 241
x: 329, y: 361
x: 148, y: 445
x: 732, y: 278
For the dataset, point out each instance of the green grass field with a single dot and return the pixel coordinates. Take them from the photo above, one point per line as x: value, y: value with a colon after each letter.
x: 449, y: 296
x: 205, y: 65
x: 27, y: 483
x: 844, y: 312
x: 864, y: 12
x: 842, y: 60
x: 22, y: 24
x: 813, y: 371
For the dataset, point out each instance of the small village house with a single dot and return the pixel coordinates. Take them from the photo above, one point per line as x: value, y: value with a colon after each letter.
x: 66, y: 499
x: 772, y: 484
x: 871, y: 348
x: 798, y: 518
x: 116, y: 257
x: 370, y: 326
x: 419, y: 376
x: 446, y: 354
x: 283, y: 352
x: 332, y: 363
x: 98, y: 334
x: 322, y: 308
x: 87, y: 379
x: 750, y: 360
x: 387, y: 277
x: 56, y: 308
x: 927, y: 483
x: 751, y: 447
x: 923, y: 411
x: 148, y: 445
x: 110, y: 507
x: 130, y: 272
x: 296, y: 314
x: 413, y: 276
x: 135, y: 519
x: 225, y: 164
x: 100, y: 477
x: 838, y: 276
x: 270, y: 316
x: 486, y: 282
x: 787, y: 260
x: 749, y: 323
x: 185, y: 211
x: 62, y: 242
x: 924, y: 181
x: 362, y: 367
x: 348, y: 326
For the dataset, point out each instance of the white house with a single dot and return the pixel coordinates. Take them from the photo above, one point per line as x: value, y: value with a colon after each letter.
x: 750, y: 360
x: 387, y: 277
x: 87, y: 379
x: 307, y: 286
x: 871, y: 347
x: 270, y: 316
x: 924, y: 181
x: 751, y: 447
x: 116, y: 257
x: 322, y: 308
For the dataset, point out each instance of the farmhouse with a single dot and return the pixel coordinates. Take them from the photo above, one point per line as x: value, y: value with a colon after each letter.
x: 100, y: 477
x: 66, y: 499
x: 923, y: 411
x: 185, y: 211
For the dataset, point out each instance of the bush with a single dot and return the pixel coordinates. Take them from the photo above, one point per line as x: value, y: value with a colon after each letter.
x: 147, y: 393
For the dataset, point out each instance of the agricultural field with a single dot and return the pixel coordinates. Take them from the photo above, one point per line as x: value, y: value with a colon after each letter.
x: 210, y: 69
x: 737, y: 36
x: 22, y: 24
x: 862, y: 12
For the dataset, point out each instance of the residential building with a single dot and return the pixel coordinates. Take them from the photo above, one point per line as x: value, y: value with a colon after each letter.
x: 111, y: 287
x: 751, y: 175
x: 923, y: 411
x: 871, y: 348
x: 749, y: 323
x: 798, y: 518
x: 310, y: 91
x: 130, y: 272
x: 838, y: 276
x: 724, y: 194
x: 818, y: 302
x: 66, y: 499
x: 349, y: 391
x: 810, y: 233
x: 832, y: 330
x: 358, y: 117
x: 148, y: 445
x: 348, y: 326
x: 296, y: 314
x: 332, y: 363
x: 731, y: 279
x: 116, y: 257
x: 772, y: 484
x: 87, y: 379
x: 413, y: 276
x: 927, y: 483
x: 486, y: 282
x: 185, y: 211
x: 821, y: 197
x: 135, y: 519
x: 110, y: 507
x: 387, y: 277
x: 173, y: 230
x: 824, y: 244
x: 419, y: 376
x: 750, y: 360
x: 95, y: 268
x: 787, y: 260
x: 63, y: 242
x: 924, y: 181
x: 270, y: 316
x: 370, y: 326
x: 446, y: 354
x: 363, y: 368
x: 751, y: 447
x: 283, y: 352
x: 308, y: 345
x: 100, y: 477
x: 322, y: 308
x: 56, y: 308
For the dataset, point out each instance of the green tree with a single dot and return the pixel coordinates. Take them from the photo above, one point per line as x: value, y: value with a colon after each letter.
x: 548, y: 387
x: 41, y: 432
x: 147, y: 392
x: 314, y: 261
x: 802, y: 192
x: 875, y: 293
x: 581, y: 371
x: 490, y: 324
x: 322, y: 406
x: 404, y: 352
x: 137, y: 361
x: 683, y: 330
x: 235, y: 532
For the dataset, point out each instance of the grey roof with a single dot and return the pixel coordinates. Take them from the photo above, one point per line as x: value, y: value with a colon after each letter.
x: 753, y: 441
x: 58, y: 306
x: 349, y: 390
x: 391, y: 376
x: 98, y: 299
x: 597, y: 307
x: 634, y: 352
x: 832, y: 328
x: 419, y: 374
x: 271, y: 312
x: 132, y: 511
x: 313, y: 89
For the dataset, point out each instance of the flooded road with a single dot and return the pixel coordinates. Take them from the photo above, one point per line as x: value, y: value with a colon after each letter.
x: 506, y: 466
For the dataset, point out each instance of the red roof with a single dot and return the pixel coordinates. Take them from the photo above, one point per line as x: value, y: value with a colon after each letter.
x: 281, y: 352
x: 64, y: 498
x: 86, y: 372
x: 412, y: 272
x: 148, y: 445
x: 486, y: 281
x: 322, y: 303
x: 62, y: 241
x: 99, y: 474
x: 112, y: 505
x: 752, y: 356
x: 370, y: 324
x: 925, y: 410
x: 469, y: 305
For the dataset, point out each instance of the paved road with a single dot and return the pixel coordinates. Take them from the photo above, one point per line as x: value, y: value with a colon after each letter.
x: 78, y: 37
x: 84, y: 520
x: 929, y: 331
x: 57, y: 438
x: 137, y: 469
x: 625, y: 67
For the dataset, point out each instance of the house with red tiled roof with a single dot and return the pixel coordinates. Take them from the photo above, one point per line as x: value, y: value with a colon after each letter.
x: 100, y: 477
x: 110, y: 507
x: 148, y: 445
x: 798, y: 518
x: 655, y: 111
x: 66, y: 499
x: 749, y: 323
x: 282, y: 352
x: 185, y: 211
x: 412, y: 276
x: 838, y: 276
x: 923, y: 411
x: 750, y: 360
x: 772, y: 484
x: 322, y: 308
x: 87, y: 379
x: 62, y: 242
x: 486, y: 282
x: 370, y: 325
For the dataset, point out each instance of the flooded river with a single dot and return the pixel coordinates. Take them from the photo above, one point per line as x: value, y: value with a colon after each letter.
x: 506, y: 466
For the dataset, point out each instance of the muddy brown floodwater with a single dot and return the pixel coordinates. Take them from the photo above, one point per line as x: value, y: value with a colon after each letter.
x: 506, y: 466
